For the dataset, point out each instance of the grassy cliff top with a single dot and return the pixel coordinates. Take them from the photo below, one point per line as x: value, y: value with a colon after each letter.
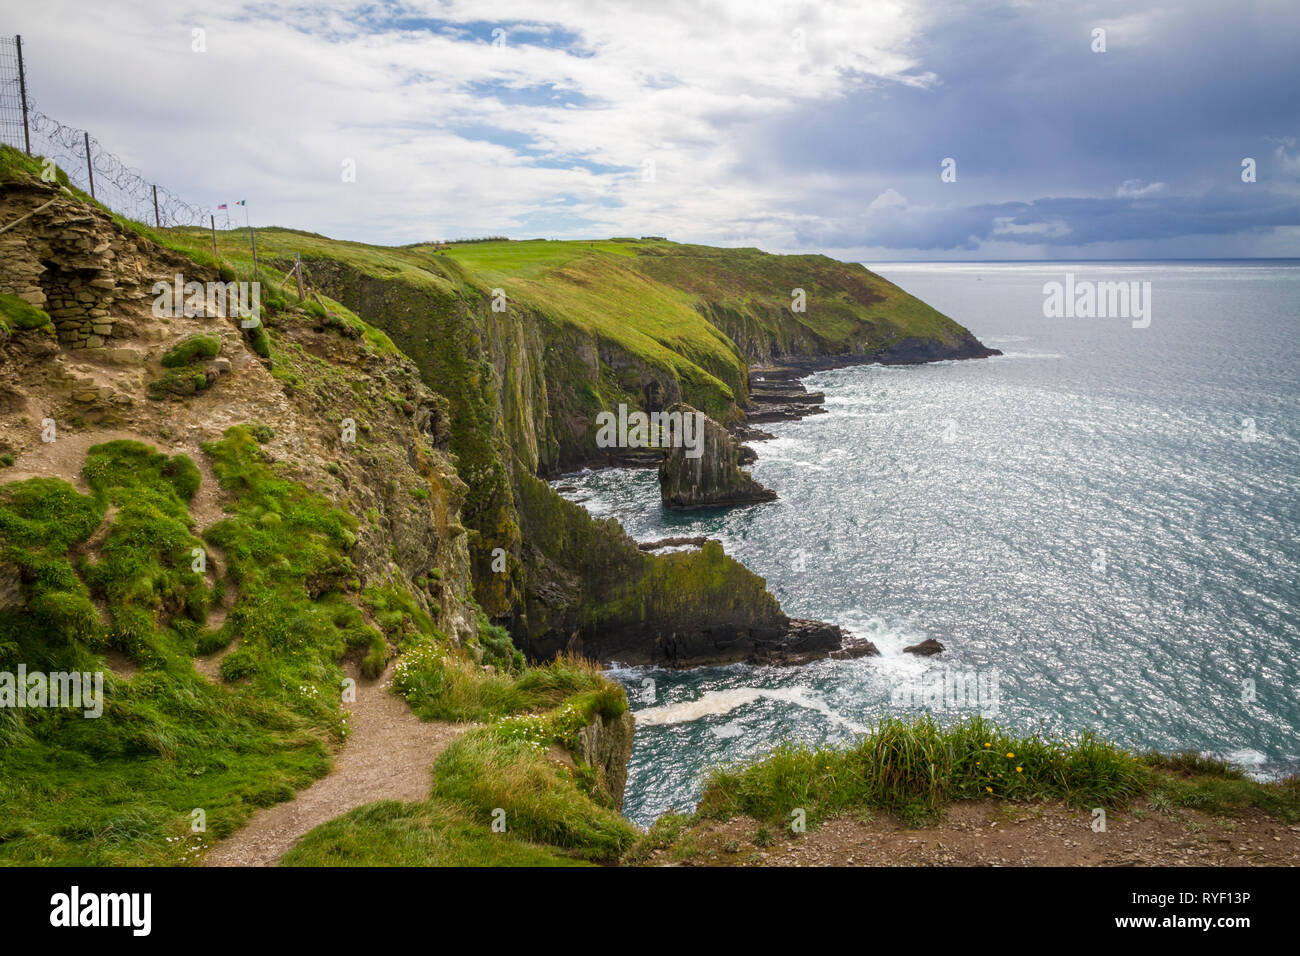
x: 646, y: 296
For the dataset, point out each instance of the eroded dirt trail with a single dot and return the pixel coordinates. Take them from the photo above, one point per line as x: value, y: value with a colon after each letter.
x: 387, y: 757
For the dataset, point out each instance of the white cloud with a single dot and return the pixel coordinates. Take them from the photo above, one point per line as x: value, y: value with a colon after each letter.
x: 449, y: 134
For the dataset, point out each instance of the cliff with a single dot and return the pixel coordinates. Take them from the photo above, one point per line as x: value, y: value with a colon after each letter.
x: 217, y: 508
x: 529, y: 341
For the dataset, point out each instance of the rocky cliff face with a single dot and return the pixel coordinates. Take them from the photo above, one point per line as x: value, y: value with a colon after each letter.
x: 94, y: 380
x: 606, y: 744
x: 707, y: 475
x: 526, y: 375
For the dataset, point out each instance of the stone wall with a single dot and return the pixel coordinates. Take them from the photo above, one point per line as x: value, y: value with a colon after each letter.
x: 70, y: 260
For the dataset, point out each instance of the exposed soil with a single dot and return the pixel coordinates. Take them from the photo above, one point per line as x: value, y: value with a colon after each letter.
x: 388, y: 756
x: 989, y: 833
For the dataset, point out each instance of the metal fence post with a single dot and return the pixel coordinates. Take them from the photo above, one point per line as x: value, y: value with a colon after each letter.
x: 22, y: 89
x: 90, y: 172
x: 157, y: 221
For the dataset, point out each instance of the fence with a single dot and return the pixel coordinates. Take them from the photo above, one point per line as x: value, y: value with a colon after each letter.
x: 89, y: 166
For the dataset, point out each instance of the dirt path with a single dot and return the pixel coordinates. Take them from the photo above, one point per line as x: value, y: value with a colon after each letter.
x: 992, y: 834
x: 387, y: 757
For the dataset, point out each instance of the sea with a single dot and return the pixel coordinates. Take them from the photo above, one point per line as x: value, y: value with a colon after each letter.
x: 1101, y: 526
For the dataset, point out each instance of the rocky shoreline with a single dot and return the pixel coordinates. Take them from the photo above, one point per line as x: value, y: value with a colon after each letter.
x: 715, y: 479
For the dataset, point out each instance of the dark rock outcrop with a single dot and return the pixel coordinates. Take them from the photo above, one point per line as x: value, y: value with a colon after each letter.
x: 708, y: 474
x: 782, y: 641
x: 855, y: 647
x: 606, y: 744
x: 927, y: 648
x: 692, y: 541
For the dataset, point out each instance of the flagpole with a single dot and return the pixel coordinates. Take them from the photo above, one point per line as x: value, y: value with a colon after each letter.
x: 251, y: 238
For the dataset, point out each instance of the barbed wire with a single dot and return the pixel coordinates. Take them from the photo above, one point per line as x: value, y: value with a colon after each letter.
x: 120, y: 187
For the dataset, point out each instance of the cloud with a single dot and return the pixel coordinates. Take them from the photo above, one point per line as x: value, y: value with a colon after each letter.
x: 765, y: 123
x: 1136, y: 188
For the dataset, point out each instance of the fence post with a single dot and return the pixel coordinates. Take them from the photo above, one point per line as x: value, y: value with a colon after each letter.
x: 157, y: 221
x: 22, y: 89
x: 212, y: 218
x: 302, y: 296
x: 253, y: 241
x: 90, y: 172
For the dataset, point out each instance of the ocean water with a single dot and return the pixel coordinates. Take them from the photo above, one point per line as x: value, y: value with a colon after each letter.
x: 1101, y: 526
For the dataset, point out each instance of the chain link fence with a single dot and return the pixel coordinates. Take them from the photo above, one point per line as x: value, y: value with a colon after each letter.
x: 89, y: 166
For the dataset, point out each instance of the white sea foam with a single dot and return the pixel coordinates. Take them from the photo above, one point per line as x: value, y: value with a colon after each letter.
x: 714, y: 703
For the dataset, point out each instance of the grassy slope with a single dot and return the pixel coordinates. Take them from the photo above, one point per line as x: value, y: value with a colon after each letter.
x: 644, y: 296
x: 121, y: 788
x: 505, y: 774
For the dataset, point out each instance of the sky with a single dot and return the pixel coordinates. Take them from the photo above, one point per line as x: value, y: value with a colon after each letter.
x: 794, y: 127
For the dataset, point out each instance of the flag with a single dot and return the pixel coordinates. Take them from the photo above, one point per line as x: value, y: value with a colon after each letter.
x: 242, y: 202
x: 222, y: 206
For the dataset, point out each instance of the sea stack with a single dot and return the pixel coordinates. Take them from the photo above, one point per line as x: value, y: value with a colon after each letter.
x: 707, y: 475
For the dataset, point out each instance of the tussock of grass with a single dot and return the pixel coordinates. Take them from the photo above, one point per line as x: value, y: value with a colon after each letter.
x: 440, y: 682
x: 192, y: 348
x: 482, y: 772
x: 914, y: 767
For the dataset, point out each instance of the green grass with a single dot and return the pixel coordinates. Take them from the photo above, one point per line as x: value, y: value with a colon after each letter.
x: 554, y: 813
x: 192, y: 348
x: 1191, y: 781
x: 914, y: 768
x: 120, y: 789
x: 288, y: 553
x: 496, y: 800
x: 113, y: 571
x: 441, y: 682
x: 482, y: 771
x: 17, y: 315
x: 429, y: 833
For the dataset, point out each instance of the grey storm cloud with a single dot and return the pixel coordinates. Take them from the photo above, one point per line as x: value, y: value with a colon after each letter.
x: 1065, y: 221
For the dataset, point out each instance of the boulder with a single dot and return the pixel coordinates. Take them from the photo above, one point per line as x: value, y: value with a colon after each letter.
x: 927, y: 648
